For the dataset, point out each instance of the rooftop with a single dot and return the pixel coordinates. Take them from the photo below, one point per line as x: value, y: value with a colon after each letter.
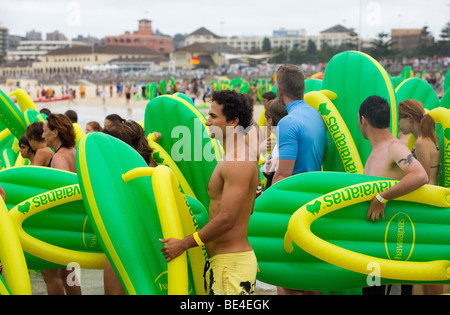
x: 337, y: 29
x: 106, y: 50
x: 203, y: 31
x: 209, y: 47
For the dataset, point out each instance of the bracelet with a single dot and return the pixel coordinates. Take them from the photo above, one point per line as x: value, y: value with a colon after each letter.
x: 197, y: 239
x: 381, y: 199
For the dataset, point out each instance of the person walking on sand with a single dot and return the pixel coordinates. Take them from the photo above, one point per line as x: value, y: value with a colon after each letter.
x: 232, y: 188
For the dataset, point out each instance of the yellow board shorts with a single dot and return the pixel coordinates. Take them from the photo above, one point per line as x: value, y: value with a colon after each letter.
x: 232, y: 274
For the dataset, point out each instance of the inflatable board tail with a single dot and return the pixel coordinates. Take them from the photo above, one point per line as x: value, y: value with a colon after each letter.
x: 412, y: 231
x: 419, y: 90
x: 176, y: 222
x: 354, y: 76
x: 185, y: 137
x: 30, y: 188
x: 338, y: 130
x: 11, y: 116
x: 299, y: 231
x: 23, y: 100
x: 125, y: 214
x: 15, y: 270
x: 67, y: 226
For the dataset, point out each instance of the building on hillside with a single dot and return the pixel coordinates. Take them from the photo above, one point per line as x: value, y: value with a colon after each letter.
x: 209, y: 55
x: 33, y: 35
x: 4, y: 40
x: 143, y: 37
x: 56, y: 35
x: 202, y: 35
x: 289, y: 33
x: 335, y: 36
x: 287, y: 39
x: 405, y: 39
x: 79, y: 59
x: 35, y: 49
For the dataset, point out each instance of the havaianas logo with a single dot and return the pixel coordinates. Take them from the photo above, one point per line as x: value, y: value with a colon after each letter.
x: 157, y: 157
x: 314, y: 208
x: 323, y: 110
x: 400, y: 237
x: 49, y: 197
x: 346, y: 195
x: 339, y: 139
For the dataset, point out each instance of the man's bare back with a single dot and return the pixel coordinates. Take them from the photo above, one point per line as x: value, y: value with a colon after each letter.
x: 381, y: 163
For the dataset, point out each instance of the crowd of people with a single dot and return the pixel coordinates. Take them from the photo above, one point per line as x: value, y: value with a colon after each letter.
x: 301, y: 146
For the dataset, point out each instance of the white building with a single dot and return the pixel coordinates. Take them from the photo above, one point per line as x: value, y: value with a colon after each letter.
x: 288, y: 39
x: 35, y: 49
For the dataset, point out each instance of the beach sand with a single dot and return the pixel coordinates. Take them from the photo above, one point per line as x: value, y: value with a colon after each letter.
x: 91, y: 108
x: 92, y: 284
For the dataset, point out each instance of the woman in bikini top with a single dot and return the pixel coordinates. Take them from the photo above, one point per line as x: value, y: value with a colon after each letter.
x: 60, y: 136
x: 414, y: 120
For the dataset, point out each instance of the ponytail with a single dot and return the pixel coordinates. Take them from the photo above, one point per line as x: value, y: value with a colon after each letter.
x: 427, y: 127
x: 415, y: 110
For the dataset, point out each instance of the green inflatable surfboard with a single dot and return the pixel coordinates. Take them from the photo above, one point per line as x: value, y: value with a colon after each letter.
x: 418, y: 90
x: 313, y: 85
x: 11, y: 116
x: 445, y: 100
x: 45, y: 205
x: 186, y: 139
x: 126, y: 214
x: 354, y: 76
x: 411, y: 232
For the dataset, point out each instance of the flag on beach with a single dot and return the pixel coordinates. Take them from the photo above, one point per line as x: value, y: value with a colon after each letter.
x: 195, y: 60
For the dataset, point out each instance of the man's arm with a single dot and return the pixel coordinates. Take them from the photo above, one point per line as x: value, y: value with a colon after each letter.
x: 236, y: 177
x: 287, y: 139
x: 284, y: 170
x: 415, y: 177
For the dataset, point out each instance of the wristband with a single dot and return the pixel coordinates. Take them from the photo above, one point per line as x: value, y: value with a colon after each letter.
x: 381, y: 199
x: 197, y: 239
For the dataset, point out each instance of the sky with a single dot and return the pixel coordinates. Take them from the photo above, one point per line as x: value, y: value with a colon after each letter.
x: 240, y: 18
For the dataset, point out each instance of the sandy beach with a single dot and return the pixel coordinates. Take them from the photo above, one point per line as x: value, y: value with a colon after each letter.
x: 91, y: 108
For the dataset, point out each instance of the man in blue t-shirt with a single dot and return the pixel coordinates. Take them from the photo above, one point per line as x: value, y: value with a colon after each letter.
x: 301, y: 135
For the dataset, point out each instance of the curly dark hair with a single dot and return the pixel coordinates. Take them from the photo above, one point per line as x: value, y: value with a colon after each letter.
x: 65, y: 129
x: 234, y: 105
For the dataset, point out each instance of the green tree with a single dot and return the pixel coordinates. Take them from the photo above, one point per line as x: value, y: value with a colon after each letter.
x: 426, y: 43
x: 443, y: 45
x: 326, y: 52
x: 381, y: 46
x: 266, y: 46
x: 311, y: 52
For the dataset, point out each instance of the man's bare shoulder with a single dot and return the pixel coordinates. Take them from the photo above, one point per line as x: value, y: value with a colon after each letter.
x: 238, y: 169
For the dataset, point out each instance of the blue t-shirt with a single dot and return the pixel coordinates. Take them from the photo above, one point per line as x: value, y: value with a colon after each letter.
x: 302, y: 136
